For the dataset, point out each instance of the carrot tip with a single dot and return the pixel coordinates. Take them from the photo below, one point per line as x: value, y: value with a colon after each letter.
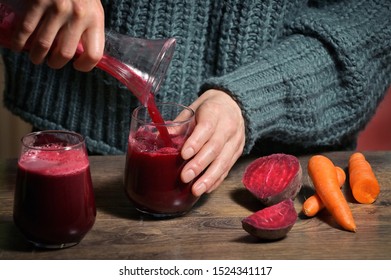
x: 308, y: 213
x: 351, y: 228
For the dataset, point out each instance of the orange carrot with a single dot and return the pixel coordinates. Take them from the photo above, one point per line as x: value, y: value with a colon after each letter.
x: 341, y: 175
x: 314, y: 204
x: 363, y: 183
x: 324, y: 177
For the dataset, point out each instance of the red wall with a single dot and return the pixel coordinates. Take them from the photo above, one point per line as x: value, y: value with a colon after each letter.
x: 377, y: 134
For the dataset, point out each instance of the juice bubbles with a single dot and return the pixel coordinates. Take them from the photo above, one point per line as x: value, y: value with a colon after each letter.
x: 152, y: 171
x: 54, y: 204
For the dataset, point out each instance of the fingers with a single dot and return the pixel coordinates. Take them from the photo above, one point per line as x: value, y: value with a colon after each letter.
x: 26, y: 25
x: 215, y: 144
x: 92, y: 38
x: 45, y: 35
x: 68, y: 40
x: 53, y: 29
x: 93, y: 50
x: 204, y: 130
x: 217, y: 171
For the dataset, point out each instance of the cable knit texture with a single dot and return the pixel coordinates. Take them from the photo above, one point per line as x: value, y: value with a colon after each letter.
x: 307, y: 74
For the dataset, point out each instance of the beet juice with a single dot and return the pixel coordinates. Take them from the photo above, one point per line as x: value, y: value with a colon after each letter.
x: 54, y: 204
x: 153, y: 167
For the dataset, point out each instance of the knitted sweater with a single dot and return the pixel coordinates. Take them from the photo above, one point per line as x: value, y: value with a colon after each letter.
x: 308, y: 75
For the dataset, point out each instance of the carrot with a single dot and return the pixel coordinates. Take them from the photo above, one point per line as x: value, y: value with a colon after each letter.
x: 363, y: 183
x: 324, y: 177
x: 341, y: 175
x: 314, y: 204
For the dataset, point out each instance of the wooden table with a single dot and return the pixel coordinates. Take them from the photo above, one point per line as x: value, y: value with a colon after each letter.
x: 212, y: 230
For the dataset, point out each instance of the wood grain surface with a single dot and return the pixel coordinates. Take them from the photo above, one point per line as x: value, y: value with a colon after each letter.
x: 212, y: 229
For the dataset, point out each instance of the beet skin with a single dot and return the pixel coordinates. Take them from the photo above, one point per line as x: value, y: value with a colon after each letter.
x: 273, y: 222
x: 274, y: 178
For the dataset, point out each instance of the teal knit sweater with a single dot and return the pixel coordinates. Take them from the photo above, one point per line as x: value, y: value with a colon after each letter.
x: 308, y: 75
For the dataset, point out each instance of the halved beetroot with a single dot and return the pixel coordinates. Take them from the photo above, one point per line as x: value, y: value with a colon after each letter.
x: 273, y: 222
x: 274, y: 178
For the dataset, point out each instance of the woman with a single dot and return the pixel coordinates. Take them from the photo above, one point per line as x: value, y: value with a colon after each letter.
x: 266, y: 76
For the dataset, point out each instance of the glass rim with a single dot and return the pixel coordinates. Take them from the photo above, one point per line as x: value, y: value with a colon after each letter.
x: 80, y: 137
x: 173, y: 123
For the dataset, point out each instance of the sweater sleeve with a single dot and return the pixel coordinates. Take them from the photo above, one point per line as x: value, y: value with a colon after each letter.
x: 321, y: 82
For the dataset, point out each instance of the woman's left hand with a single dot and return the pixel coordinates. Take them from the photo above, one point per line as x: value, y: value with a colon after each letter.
x: 216, y: 142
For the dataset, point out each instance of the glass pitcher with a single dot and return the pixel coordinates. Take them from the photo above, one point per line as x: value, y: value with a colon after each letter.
x: 139, y: 64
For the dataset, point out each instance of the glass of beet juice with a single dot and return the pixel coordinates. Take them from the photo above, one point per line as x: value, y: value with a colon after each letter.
x: 154, y: 163
x: 54, y: 205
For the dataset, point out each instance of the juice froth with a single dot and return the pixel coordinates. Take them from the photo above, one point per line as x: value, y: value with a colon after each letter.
x: 54, y: 200
x: 152, y: 175
x: 53, y: 163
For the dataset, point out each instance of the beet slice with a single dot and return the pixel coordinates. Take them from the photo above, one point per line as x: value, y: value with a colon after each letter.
x: 273, y: 222
x: 274, y: 178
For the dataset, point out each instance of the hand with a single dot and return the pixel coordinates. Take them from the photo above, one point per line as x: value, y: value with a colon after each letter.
x: 216, y: 142
x: 54, y: 28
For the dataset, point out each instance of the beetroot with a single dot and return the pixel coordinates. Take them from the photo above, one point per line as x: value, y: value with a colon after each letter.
x: 273, y: 222
x: 273, y: 178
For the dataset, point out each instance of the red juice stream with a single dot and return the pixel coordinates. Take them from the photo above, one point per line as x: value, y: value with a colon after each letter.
x: 110, y: 65
x: 158, y: 119
x: 107, y: 63
x: 54, y: 200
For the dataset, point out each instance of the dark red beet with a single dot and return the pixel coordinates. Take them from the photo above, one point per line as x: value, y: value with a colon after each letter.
x: 273, y: 222
x: 274, y: 178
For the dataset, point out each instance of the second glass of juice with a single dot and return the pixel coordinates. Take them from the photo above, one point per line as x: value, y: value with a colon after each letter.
x: 154, y: 162
x: 54, y: 205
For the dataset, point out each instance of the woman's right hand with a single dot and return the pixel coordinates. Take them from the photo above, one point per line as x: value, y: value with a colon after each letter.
x: 53, y: 29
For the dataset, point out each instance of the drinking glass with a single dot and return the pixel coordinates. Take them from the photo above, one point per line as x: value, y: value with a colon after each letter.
x: 54, y: 204
x: 154, y: 163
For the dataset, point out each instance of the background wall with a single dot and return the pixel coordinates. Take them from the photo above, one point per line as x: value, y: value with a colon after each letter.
x: 377, y: 135
x: 12, y: 128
